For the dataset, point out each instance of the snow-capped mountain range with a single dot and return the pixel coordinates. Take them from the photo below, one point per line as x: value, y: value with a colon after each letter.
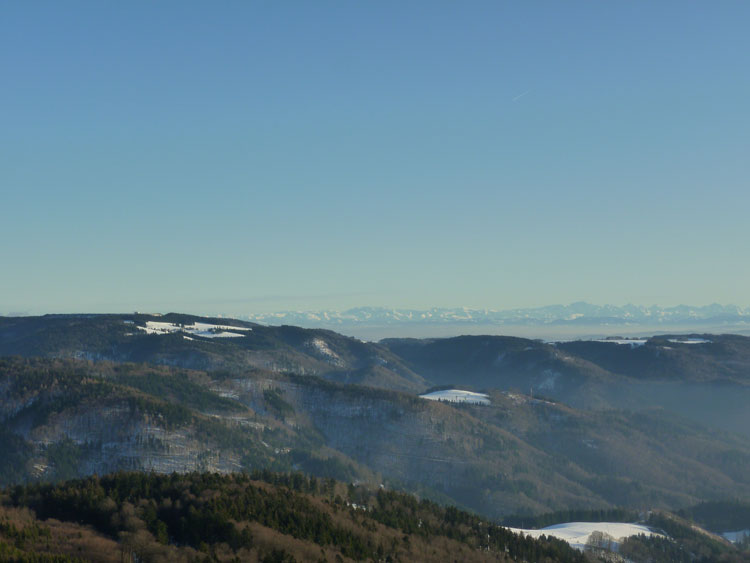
x: 579, y: 313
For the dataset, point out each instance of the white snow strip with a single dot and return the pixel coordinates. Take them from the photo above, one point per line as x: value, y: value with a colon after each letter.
x: 157, y: 327
x: 577, y: 533
x: 690, y: 341
x: 206, y: 326
x: 322, y: 347
x: 208, y: 334
x: 633, y: 342
x: 458, y: 396
x: 322, y: 350
x: 205, y: 330
x: 736, y: 537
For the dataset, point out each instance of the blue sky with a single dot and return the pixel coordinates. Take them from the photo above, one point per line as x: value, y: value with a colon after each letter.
x: 239, y: 157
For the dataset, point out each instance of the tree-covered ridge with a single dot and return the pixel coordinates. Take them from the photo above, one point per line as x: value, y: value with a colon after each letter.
x: 63, y: 418
x: 45, y: 387
x: 26, y: 376
x: 681, y: 537
x: 720, y: 516
x: 573, y: 515
x: 25, y: 539
x: 121, y: 338
x: 58, y: 415
x: 269, y: 517
x: 697, y: 543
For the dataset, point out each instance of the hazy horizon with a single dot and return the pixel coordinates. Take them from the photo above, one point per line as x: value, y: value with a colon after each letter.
x: 282, y: 156
x: 549, y: 329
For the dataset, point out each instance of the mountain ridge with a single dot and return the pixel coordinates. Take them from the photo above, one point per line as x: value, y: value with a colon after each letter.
x: 568, y: 424
x: 574, y: 314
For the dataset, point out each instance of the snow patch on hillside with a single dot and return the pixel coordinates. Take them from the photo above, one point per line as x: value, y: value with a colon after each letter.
x: 736, y: 537
x: 690, y: 341
x: 458, y: 396
x: 577, y: 534
x: 632, y: 342
x: 321, y: 349
x: 205, y: 330
x: 549, y: 383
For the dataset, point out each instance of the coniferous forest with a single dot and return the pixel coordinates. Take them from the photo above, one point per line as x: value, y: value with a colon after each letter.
x: 243, y: 517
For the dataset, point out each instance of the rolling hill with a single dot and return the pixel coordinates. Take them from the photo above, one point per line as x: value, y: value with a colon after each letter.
x: 568, y: 425
x: 67, y: 418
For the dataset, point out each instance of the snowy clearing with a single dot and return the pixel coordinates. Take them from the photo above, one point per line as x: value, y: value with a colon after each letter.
x: 196, y: 329
x: 321, y: 348
x: 690, y: 341
x: 458, y: 396
x: 633, y: 342
x: 577, y: 534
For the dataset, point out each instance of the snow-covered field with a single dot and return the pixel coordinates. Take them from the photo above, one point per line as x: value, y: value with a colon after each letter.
x: 690, y: 341
x: 205, y: 330
x: 577, y: 534
x: 321, y: 348
x: 458, y: 396
x: 633, y: 342
x: 736, y: 537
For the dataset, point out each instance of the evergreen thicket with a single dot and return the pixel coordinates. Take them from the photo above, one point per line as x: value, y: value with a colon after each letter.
x: 226, y: 514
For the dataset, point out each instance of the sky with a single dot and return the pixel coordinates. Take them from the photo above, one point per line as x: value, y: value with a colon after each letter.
x: 242, y: 157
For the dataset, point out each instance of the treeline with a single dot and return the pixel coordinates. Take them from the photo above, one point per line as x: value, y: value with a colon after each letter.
x: 194, y: 510
x: 683, y: 542
x: 204, y: 510
x: 427, y: 519
x: 36, y: 375
x: 698, y: 544
x: 561, y: 516
x: 166, y: 393
x: 59, y: 334
x: 40, y: 390
x: 720, y: 516
x: 78, y: 380
x: 177, y: 387
x: 654, y: 548
x: 14, y: 453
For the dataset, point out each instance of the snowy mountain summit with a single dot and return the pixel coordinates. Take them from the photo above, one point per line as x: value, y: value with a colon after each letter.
x: 579, y: 313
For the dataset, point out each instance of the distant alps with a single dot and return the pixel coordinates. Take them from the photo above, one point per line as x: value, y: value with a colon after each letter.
x: 579, y: 315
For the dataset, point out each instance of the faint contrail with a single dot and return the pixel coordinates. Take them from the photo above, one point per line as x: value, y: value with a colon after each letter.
x: 520, y: 96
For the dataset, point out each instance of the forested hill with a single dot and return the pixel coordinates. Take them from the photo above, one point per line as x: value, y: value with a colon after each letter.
x: 61, y: 419
x: 703, y: 377
x: 259, y: 517
x: 576, y: 425
x: 214, y: 344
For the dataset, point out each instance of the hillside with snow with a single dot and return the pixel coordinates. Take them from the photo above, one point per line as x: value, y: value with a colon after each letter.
x: 579, y: 534
x: 204, y: 330
x: 458, y: 396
